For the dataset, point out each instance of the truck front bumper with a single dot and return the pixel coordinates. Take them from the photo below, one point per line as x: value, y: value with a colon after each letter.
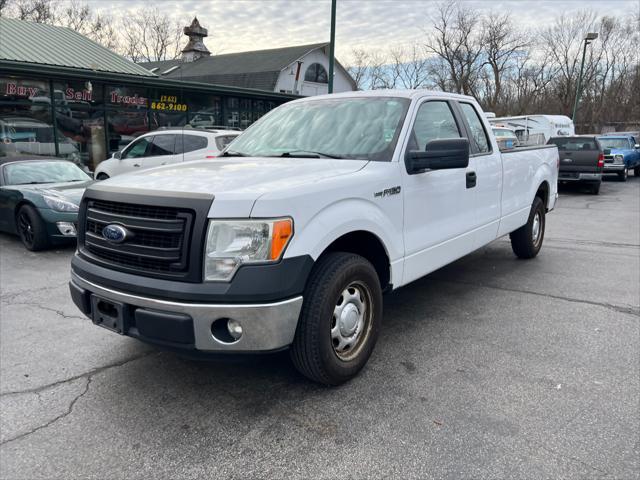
x: 190, y: 326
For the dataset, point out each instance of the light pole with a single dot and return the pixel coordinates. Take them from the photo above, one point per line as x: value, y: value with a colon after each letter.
x: 332, y: 45
x: 587, y: 40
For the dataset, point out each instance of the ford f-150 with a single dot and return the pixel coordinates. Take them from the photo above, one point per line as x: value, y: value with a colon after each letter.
x: 290, y: 239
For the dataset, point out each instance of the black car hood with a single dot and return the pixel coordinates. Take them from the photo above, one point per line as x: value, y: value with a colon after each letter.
x: 71, y: 191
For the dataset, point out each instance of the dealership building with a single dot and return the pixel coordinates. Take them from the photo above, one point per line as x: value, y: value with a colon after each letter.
x: 62, y: 94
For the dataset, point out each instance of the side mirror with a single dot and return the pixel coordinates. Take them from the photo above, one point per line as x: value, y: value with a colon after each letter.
x: 117, y: 155
x: 438, y: 155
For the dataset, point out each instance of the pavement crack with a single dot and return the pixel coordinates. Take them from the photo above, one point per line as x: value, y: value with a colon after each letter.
x: 8, y: 297
x: 54, y: 420
x: 88, y: 374
x: 48, y: 309
x: 628, y: 310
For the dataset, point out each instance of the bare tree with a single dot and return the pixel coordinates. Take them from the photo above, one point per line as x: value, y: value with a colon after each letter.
x: 151, y: 35
x: 409, y: 67
x: 502, y: 43
x: 39, y: 11
x: 454, y: 37
x: 360, y: 67
x: 98, y: 27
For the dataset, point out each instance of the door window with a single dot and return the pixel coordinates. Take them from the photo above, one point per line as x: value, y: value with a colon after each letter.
x: 190, y: 143
x: 479, y: 140
x: 138, y: 148
x: 162, y: 145
x: 434, y: 120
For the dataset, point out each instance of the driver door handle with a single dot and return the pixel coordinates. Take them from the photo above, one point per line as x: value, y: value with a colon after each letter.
x: 471, y: 179
x: 136, y: 164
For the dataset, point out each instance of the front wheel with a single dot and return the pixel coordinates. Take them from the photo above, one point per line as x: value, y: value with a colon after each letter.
x: 31, y: 229
x: 636, y: 171
x: 527, y: 240
x: 340, y: 319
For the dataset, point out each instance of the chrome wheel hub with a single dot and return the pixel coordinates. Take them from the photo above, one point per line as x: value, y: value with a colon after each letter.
x: 535, y: 230
x: 350, y: 320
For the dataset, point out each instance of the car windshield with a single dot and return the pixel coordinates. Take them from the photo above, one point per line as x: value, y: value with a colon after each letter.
x: 498, y: 132
x: 351, y: 128
x: 614, y: 143
x: 57, y: 171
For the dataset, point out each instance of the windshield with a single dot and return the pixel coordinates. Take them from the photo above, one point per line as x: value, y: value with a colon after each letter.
x: 57, y: 171
x: 614, y: 143
x: 354, y: 128
x: 501, y: 132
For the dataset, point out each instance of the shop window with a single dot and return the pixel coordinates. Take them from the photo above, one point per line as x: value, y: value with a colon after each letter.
x: 132, y: 98
x: 25, y: 132
x: 81, y: 135
x: 72, y: 94
x: 124, y: 126
x: 316, y: 73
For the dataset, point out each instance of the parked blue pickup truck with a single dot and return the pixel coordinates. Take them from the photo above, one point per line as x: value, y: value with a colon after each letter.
x: 624, y: 155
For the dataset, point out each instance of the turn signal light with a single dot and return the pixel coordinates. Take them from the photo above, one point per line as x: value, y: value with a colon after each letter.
x: 281, y: 233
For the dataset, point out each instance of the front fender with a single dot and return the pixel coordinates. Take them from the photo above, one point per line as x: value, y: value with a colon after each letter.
x: 343, y: 217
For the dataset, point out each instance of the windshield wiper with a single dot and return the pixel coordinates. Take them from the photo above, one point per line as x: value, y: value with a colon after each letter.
x: 308, y: 154
x: 230, y: 153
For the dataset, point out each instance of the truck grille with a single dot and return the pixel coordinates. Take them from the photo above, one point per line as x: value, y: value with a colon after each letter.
x: 157, y: 238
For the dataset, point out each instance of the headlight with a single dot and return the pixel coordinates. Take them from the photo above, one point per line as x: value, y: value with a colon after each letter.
x: 618, y: 159
x: 232, y: 243
x: 60, y: 205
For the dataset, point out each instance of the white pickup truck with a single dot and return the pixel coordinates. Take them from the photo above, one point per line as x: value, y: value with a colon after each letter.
x: 290, y: 239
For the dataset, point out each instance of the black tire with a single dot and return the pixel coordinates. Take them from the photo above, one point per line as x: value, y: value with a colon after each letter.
x: 595, y: 188
x: 31, y: 229
x: 622, y: 176
x: 102, y: 176
x: 636, y: 171
x: 523, y: 241
x: 314, y: 351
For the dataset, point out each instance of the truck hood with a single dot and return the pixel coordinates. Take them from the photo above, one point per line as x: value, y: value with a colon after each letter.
x: 235, y: 183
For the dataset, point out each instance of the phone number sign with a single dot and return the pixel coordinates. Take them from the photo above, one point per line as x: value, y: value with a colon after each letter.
x: 168, y: 103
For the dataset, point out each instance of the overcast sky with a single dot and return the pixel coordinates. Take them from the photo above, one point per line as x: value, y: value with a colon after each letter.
x: 239, y: 25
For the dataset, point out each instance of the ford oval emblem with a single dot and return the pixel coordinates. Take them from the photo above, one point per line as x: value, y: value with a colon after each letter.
x: 114, y: 233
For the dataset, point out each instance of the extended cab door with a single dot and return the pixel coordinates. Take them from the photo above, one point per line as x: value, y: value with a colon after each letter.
x: 487, y: 162
x: 439, y: 205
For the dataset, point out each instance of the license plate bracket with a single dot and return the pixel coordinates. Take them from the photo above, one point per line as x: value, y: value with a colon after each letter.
x: 108, y: 314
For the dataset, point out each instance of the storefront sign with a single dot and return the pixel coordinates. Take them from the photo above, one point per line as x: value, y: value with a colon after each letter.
x: 127, y: 100
x: 168, y: 103
x: 20, y: 91
x: 71, y: 94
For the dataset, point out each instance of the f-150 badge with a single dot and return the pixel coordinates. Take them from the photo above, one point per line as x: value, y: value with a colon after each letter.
x: 387, y: 192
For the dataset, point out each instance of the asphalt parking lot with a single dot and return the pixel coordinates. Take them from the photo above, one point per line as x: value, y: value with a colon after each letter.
x: 491, y: 367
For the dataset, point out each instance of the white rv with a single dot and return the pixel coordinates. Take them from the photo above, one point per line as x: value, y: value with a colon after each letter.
x: 536, y: 129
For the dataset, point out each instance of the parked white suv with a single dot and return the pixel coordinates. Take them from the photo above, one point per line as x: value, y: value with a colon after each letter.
x: 166, y: 146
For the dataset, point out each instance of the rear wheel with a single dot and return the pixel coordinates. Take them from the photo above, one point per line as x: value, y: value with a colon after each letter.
x: 622, y: 176
x: 595, y: 188
x: 527, y: 240
x: 102, y: 176
x: 340, y: 319
x: 31, y: 229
